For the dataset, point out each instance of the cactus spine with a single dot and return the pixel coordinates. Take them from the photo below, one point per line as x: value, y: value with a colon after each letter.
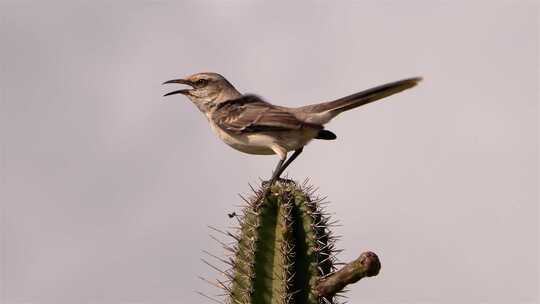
x: 284, y: 251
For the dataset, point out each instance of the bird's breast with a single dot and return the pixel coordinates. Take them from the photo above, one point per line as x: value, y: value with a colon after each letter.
x: 247, y: 143
x: 262, y: 142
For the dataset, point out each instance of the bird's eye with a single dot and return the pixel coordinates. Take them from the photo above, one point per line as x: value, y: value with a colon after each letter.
x: 201, y: 82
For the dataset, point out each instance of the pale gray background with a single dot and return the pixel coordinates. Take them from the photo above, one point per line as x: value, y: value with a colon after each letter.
x: 107, y: 187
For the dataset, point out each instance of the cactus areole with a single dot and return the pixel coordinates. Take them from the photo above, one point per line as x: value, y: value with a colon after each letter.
x: 283, y: 252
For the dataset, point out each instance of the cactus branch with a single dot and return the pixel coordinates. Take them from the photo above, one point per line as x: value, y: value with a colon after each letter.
x: 366, y: 265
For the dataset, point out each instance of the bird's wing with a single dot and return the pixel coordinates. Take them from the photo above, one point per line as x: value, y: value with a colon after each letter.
x: 250, y: 113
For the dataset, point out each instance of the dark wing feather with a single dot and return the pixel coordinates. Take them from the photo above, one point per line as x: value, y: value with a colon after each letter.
x: 249, y: 113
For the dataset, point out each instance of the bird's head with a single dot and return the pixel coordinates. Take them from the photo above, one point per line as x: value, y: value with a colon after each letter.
x: 207, y: 90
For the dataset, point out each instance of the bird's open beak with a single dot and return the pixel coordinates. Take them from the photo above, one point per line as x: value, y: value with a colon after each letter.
x: 181, y: 81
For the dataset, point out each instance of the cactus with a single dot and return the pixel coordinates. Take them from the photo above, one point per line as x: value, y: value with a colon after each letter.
x: 284, y: 252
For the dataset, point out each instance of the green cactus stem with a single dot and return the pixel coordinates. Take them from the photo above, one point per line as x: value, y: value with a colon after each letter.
x: 284, y: 252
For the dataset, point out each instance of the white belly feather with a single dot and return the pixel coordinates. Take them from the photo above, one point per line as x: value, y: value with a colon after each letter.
x: 252, y: 144
x: 262, y: 143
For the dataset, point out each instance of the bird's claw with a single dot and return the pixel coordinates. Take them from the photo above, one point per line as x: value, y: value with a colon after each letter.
x: 267, y: 186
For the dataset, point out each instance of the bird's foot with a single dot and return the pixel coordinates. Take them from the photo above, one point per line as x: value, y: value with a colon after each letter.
x: 267, y: 185
x: 280, y: 180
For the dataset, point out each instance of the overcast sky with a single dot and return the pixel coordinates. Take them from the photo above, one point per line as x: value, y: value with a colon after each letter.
x: 107, y: 187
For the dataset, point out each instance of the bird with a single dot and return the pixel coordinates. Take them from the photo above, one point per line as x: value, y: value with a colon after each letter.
x: 249, y: 124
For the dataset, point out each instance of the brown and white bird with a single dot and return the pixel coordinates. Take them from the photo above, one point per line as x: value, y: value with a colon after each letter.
x: 251, y: 125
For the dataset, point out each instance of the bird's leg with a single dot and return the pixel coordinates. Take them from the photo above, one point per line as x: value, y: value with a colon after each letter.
x: 280, y: 168
x: 277, y: 171
x: 289, y: 161
x: 275, y: 175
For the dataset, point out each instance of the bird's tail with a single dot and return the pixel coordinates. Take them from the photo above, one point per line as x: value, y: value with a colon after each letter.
x: 337, y: 106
